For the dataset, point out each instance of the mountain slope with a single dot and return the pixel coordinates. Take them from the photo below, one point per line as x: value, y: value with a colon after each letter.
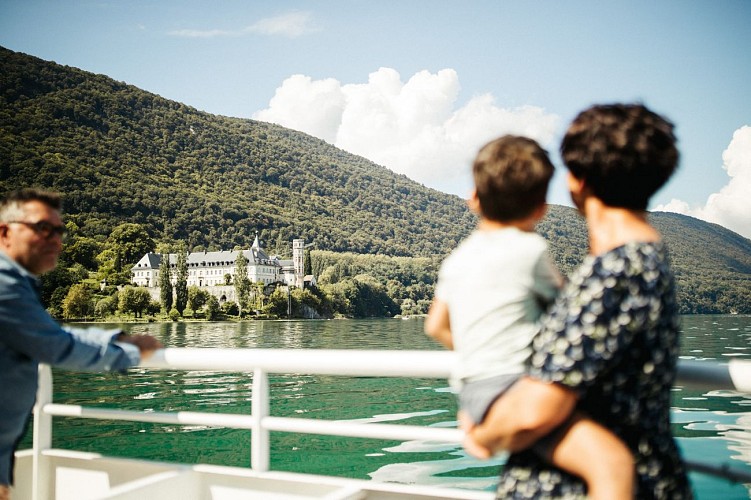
x: 120, y: 154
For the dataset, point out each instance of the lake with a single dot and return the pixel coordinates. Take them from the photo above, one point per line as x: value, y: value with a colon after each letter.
x: 714, y: 426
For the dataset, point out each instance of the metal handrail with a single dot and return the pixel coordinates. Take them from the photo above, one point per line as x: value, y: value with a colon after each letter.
x: 733, y: 376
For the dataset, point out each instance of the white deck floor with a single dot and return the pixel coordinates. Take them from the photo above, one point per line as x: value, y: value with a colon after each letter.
x: 71, y: 475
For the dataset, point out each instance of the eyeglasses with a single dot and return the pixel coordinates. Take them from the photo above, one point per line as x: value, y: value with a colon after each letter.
x: 43, y: 228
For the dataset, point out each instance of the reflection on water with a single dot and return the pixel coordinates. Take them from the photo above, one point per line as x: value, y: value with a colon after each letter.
x: 713, y: 426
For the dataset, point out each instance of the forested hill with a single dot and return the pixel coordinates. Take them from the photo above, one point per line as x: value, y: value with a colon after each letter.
x: 121, y: 154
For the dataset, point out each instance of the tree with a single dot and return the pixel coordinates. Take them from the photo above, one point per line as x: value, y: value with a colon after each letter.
x: 242, y: 282
x: 106, y: 306
x: 165, y: 283
x: 77, y: 303
x: 130, y: 242
x: 307, y: 263
x: 125, y: 245
x: 257, y: 295
x: 197, y: 297
x: 53, y: 283
x: 82, y: 250
x: 276, y: 304
x: 181, y: 283
x: 212, y: 308
x: 134, y: 299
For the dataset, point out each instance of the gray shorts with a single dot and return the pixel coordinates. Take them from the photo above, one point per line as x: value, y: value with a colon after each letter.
x: 476, y: 397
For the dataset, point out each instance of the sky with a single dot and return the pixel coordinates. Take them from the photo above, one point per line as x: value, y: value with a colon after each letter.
x: 419, y: 86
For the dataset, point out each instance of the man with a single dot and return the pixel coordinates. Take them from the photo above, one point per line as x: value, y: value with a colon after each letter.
x: 31, y: 233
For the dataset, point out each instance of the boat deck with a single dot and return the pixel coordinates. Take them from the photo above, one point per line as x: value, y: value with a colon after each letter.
x: 45, y: 473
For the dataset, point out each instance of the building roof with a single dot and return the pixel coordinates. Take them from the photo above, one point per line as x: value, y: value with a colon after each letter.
x: 255, y: 256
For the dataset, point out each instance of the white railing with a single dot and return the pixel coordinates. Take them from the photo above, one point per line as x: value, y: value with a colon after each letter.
x: 734, y: 376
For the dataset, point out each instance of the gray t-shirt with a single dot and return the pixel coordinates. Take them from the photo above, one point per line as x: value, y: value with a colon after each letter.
x: 496, y: 284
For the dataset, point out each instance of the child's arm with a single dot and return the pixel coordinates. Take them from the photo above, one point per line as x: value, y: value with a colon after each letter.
x: 437, y: 325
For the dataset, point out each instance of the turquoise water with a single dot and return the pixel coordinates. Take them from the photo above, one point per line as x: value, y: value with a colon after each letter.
x: 712, y: 426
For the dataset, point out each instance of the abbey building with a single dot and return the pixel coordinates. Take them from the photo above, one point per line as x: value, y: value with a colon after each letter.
x: 215, y: 269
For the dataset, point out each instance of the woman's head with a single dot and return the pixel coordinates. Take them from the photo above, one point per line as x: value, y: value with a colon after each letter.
x: 624, y: 153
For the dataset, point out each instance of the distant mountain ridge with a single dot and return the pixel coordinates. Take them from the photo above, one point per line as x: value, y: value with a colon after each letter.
x: 121, y: 154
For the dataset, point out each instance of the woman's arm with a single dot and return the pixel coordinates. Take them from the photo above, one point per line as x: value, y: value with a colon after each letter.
x: 529, y: 410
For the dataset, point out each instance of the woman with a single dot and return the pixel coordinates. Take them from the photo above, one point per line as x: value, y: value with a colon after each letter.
x: 609, y: 345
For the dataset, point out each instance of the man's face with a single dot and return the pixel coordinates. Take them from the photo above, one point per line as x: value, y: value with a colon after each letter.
x: 24, y: 244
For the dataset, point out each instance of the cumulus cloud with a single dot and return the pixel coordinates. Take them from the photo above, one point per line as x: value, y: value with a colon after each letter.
x: 414, y: 128
x: 290, y: 25
x: 731, y: 206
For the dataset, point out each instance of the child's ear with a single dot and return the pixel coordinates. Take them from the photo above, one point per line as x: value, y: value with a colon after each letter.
x: 474, y: 202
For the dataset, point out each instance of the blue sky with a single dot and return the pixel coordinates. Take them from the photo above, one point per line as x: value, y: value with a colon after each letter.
x: 419, y: 85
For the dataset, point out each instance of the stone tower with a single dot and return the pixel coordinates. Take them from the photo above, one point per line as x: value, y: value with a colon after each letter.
x: 298, y: 259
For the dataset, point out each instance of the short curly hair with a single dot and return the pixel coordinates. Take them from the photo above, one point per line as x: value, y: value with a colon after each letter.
x: 624, y: 152
x: 511, y: 176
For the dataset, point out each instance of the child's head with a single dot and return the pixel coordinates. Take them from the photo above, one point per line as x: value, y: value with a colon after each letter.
x: 511, y: 178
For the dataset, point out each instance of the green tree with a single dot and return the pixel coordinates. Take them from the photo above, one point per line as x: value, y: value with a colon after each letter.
x: 212, y: 308
x: 54, y: 288
x: 134, y: 299
x: 197, y: 297
x: 276, y: 303
x: 106, y: 261
x: 257, y: 295
x: 82, y: 250
x: 130, y: 241
x: 242, y: 282
x: 181, y: 283
x: 165, y: 283
x: 77, y: 303
x: 106, y: 306
x: 307, y: 262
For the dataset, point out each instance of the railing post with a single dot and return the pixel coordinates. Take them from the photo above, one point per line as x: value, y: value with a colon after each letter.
x: 260, y: 442
x: 42, y: 435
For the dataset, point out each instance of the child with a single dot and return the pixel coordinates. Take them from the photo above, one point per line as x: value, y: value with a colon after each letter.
x: 491, y: 291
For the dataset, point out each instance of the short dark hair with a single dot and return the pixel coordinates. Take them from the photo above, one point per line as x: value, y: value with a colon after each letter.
x: 623, y: 152
x: 511, y: 176
x: 14, y: 199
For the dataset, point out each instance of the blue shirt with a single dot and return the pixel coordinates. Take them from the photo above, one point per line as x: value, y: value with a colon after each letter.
x: 29, y: 336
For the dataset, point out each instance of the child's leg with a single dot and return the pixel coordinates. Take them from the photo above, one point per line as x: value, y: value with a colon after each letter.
x: 590, y: 451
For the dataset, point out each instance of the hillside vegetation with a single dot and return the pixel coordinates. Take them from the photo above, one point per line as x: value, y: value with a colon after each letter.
x: 124, y: 155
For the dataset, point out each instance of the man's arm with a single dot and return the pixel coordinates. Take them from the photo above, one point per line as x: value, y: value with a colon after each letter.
x: 27, y: 328
x: 529, y: 410
x: 438, y: 325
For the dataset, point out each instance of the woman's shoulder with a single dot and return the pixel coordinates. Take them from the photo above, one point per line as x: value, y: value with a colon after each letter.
x: 631, y: 256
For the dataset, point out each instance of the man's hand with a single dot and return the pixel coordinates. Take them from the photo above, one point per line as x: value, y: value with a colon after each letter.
x: 145, y: 343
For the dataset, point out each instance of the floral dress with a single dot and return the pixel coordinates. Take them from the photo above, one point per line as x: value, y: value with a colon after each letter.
x: 612, y: 337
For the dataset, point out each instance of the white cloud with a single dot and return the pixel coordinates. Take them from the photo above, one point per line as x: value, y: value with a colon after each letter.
x: 731, y: 206
x: 291, y: 25
x: 413, y: 128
